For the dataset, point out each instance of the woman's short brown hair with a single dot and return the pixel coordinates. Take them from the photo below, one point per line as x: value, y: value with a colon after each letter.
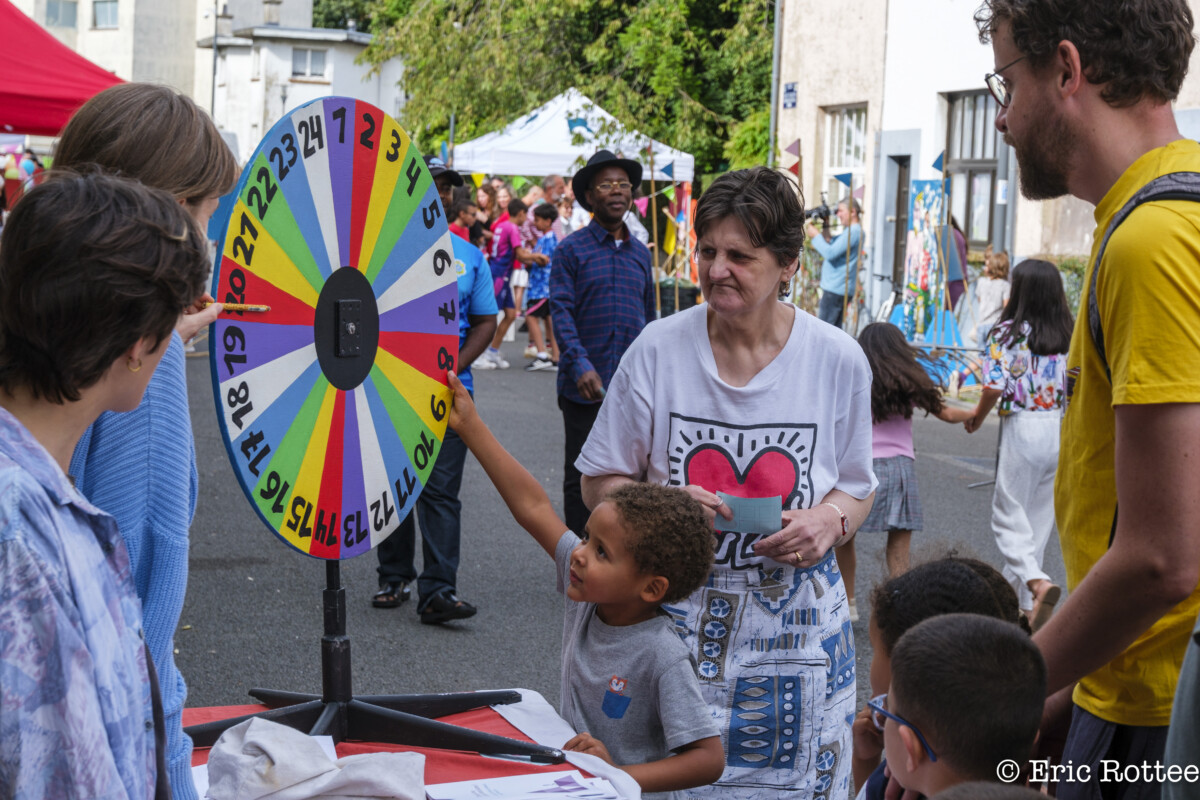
x: 89, y: 265
x: 768, y: 203
x: 154, y: 134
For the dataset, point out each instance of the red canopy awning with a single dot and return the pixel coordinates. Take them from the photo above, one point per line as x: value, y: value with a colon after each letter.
x: 44, y: 80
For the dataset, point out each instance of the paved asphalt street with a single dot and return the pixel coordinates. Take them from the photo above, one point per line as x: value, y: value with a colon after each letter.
x: 253, y: 611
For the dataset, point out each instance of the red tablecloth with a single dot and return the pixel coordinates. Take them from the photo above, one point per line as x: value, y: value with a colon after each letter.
x: 441, y: 766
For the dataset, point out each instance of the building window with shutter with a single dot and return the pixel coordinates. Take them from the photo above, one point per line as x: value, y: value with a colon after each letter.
x: 971, y: 142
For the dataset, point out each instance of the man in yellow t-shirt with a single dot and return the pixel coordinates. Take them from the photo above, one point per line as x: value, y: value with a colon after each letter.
x: 1085, y: 102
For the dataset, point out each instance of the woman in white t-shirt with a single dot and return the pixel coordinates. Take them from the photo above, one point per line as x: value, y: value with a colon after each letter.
x: 748, y: 396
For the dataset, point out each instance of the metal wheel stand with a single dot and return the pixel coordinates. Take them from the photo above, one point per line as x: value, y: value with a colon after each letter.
x: 394, y: 719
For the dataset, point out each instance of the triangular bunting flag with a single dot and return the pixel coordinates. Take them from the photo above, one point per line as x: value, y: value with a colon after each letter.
x: 795, y: 169
x: 642, y: 203
x: 519, y: 182
x: 938, y: 163
x: 478, y: 178
x: 668, y: 242
x: 845, y: 178
x: 793, y: 148
x: 857, y: 194
x: 668, y: 170
x: 669, y: 193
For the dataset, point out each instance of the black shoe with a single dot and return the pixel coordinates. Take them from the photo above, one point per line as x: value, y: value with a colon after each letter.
x: 444, y: 607
x: 391, y: 594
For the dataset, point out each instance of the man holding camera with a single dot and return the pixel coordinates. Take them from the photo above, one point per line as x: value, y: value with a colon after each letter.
x: 837, y: 282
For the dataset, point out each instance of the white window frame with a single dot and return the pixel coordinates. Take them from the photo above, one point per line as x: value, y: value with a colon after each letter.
x: 308, y: 54
x: 845, y: 150
x: 59, y: 6
x: 107, y: 4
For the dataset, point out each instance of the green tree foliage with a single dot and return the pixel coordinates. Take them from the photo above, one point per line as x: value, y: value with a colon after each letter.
x: 368, y: 15
x: 692, y: 73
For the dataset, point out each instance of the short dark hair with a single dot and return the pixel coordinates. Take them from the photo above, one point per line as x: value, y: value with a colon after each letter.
x: 152, y: 133
x: 516, y: 206
x: 462, y: 205
x: 946, y: 586
x: 90, y: 264
x: 768, y: 203
x: 545, y: 211
x: 974, y: 686
x: 1136, y: 48
x: 898, y: 382
x: 669, y: 535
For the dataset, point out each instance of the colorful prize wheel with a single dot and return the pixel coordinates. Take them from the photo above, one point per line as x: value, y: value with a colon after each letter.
x: 333, y: 403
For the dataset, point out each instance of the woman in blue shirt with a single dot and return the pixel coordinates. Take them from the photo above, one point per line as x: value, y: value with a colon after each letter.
x: 141, y: 467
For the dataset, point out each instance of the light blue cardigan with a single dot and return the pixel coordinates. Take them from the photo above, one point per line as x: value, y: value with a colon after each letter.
x: 140, y: 467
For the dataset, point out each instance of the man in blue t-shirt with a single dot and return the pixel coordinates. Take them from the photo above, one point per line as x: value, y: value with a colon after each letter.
x: 838, y: 281
x: 438, y: 506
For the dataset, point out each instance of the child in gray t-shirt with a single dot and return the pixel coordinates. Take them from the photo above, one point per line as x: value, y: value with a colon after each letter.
x: 629, y: 685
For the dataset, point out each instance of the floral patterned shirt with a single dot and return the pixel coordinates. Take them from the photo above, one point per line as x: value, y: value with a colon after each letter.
x: 76, y: 719
x: 1028, y: 382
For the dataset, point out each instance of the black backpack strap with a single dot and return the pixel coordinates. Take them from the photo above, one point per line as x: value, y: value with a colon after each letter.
x: 1172, y: 186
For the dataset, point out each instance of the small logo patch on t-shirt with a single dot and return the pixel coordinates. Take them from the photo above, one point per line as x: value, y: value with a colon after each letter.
x: 615, y: 702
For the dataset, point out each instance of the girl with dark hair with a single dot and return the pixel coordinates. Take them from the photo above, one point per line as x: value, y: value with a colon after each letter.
x: 1024, y: 370
x: 899, y: 384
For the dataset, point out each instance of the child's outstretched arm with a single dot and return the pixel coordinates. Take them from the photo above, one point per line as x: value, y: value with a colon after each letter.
x: 987, y: 399
x: 697, y: 764
x: 523, y: 495
x: 954, y: 415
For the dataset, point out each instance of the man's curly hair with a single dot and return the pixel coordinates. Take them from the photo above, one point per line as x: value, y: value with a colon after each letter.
x: 669, y: 535
x: 1137, y: 49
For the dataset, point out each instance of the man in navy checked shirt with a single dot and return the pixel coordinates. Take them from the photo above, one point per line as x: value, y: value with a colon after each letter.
x: 601, y: 296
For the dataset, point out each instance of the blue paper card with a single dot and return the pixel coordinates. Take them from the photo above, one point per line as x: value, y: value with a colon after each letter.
x: 751, y: 514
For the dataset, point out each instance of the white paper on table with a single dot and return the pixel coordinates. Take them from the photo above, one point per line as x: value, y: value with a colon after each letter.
x: 540, y: 786
x: 751, y: 514
x: 200, y: 771
x: 538, y: 720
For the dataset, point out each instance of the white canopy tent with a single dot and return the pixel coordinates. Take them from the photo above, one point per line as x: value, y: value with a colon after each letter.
x: 543, y: 143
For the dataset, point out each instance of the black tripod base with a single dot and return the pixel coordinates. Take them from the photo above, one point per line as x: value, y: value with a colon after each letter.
x: 405, y: 719
x: 394, y: 719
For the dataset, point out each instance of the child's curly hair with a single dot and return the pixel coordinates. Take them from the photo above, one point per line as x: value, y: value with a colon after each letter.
x: 669, y: 535
x: 950, y: 585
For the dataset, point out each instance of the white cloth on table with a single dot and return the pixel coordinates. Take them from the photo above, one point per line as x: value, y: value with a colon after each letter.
x: 263, y: 760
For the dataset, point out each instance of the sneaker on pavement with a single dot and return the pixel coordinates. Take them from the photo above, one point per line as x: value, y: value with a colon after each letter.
x: 483, y: 362
x: 531, y: 352
x: 540, y: 365
x: 445, y: 607
x: 498, y: 359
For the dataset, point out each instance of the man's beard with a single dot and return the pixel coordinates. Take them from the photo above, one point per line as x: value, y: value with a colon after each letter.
x: 1042, y: 162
